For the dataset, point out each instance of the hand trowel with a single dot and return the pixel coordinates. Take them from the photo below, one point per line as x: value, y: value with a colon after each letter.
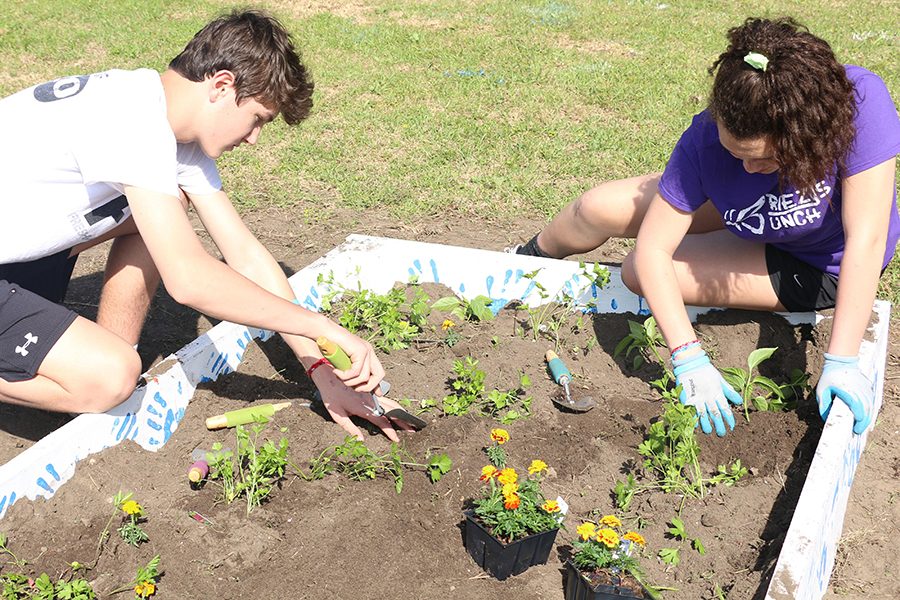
x: 563, y: 377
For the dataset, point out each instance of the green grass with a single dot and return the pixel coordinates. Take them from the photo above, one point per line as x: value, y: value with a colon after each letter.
x: 441, y: 108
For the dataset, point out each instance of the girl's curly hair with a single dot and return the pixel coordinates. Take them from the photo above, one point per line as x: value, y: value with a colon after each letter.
x: 802, y: 100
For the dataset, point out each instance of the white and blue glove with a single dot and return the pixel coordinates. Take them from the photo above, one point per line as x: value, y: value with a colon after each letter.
x: 703, y: 387
x: 841, y: 378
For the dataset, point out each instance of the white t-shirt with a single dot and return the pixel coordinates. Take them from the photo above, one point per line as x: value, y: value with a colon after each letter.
x: 70, y: 147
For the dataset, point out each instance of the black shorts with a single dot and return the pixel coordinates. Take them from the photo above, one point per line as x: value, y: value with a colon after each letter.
x: 47, y: 277
x: 29, y: 327
x: 800, y: 287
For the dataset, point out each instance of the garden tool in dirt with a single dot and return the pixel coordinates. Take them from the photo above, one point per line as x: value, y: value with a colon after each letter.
x: 336, y: 355
x: 563, y: 377
x: 242, y: 416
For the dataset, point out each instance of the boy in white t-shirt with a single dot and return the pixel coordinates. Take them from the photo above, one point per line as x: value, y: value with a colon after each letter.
x: 121, y: 154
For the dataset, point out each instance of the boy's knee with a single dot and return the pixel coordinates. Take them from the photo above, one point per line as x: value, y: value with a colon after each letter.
x: 114, y: 386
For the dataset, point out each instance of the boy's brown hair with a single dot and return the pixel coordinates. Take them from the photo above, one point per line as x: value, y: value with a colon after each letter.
x: 258, y: 50
x: 802, y: 100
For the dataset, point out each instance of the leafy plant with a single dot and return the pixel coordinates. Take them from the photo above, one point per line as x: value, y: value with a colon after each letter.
x: 469, y: 393
x: 495, y: 452
x: 253, y: 471
x: 451, y: 335
x: 4, y: 549
x: 643, y: 339
x: 476, y: 309
x: 671, y: 458
x: 670, y: 556
x: 355, y: 460
x: 145, y: 580
x: 511, y: 508
x: 762, y: 391
x: 389, y: 321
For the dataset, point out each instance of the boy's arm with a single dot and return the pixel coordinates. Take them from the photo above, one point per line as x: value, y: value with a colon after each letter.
x: 244, y: 253
x: 195, y: 278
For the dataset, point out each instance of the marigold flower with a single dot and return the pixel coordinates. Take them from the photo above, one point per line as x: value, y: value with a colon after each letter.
x: 586, y: 530
x: 510, y: 488
x: 447, y: 324
x: 551, y: 506
x: 611, y: 521
x: 512, y: 502
x: 508, y: 475
x: 145, y: 589
x: 132, y: 508
x: 635, y: 537
x: 608, y: 537
x: 537, y: 466
x: 501, y: 436
x: 488, y: 471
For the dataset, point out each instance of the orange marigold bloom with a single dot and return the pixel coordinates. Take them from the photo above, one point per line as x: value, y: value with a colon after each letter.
x: 145, y: 589
x: 512, y: 502
x: 608, y: 537
x: 551, y: 506
x: 501, y: 436
x: 508, y: 475
x: 611, y: 521
x: 537, y: 466
x: 635, y: 537
x: 447, y: 324
x: 487, y: 472
x: 510, y: 488
x: 586, y: 530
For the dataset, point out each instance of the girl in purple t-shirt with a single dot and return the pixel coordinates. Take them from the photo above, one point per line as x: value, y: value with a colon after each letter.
x: 780, y: 196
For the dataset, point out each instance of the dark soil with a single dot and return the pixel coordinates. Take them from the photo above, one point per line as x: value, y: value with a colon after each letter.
x: 336, y: 538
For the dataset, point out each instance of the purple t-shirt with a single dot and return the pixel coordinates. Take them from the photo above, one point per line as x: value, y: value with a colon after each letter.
x: 752, y: 205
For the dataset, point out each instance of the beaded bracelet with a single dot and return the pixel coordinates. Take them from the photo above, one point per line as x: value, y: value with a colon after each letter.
x: 316, y: 365
x: 684, y: 347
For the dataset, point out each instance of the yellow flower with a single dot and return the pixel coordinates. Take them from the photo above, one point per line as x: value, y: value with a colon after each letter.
x: 608, y: 537
x: 586, y: 530
x: 501, y: 436
x: 511, y: 502
x: 635, y: 537
x: 507, y: 476
x: 145, y: 589
x: 551, y: 506
x: 611, y: 521
x: 537, y: 466
x: 510, y: 488
x: 488, y: 471
x: 447, y: 324
x: 132, y: 508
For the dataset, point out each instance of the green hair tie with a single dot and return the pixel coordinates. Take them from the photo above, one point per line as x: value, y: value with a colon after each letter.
x: 757, y: 61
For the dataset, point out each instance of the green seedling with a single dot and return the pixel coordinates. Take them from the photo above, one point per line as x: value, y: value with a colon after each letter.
x: 355, y: 460
x: 389, y: 321
x: 252, y: 471
x: 133, y: 514
x: 469, y: 393
x: 4, y: 549
x: 19, y: 586
x: 145, y: 580
x: 643, y: 340
x: 476, y: 309
x: 670, y: 556
x: 764, y: 393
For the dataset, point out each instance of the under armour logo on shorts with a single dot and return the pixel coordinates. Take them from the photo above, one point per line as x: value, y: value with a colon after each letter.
x: 29, y: 339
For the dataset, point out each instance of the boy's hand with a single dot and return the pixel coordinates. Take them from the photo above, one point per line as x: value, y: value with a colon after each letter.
x: 366, y: 371
x: 342, y: 402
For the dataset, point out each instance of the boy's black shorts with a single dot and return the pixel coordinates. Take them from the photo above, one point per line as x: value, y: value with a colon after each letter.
x: 799, y: 286
x: 31, y: 321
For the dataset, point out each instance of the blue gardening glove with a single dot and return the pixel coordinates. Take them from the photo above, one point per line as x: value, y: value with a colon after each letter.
x: 841, y: 378
x: 703, y: 387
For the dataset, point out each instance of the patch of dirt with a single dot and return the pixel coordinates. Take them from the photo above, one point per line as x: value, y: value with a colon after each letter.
x: 336, y: 538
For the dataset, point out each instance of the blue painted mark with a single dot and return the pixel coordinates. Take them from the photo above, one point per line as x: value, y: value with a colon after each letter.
x: 241, y: 344
x: 154, y: 425
x: 642, y: 310
x: 310, y: 304
x: 12, y: 498
x: 153, y: 411
x: 52, y: 470
x: 217, y: 362
x: 157, y: 397
x: 127, y: 423
x: 488, y: 284
x: 314, y: 292
x: 614, y: 305
x: 506, y: 279
x: 172, y: 421
x: 2, y: 504
x: 434, y: 271
x: 462, y: 288
x: 178, y: 387
x: 153, y: 441
x: 519, y: 275
x: 40, y: 481
x: 205, y: 379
